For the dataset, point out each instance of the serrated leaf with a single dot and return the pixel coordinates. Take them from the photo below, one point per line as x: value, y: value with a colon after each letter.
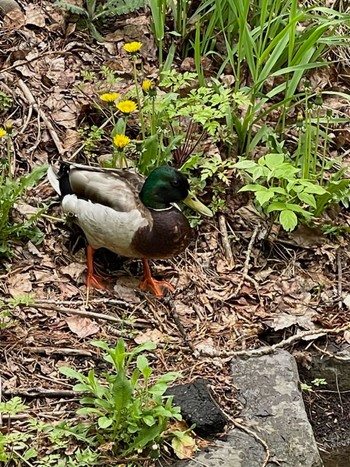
x: 288, y: 220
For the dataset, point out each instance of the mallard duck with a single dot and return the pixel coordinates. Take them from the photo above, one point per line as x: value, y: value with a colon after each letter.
x: 134, y: 217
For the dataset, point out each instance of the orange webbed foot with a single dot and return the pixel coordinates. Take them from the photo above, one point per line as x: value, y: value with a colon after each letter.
x: 156, y: 286
x: 149, y: 283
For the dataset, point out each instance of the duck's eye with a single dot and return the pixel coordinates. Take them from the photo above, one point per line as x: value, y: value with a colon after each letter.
x: 175, y: 182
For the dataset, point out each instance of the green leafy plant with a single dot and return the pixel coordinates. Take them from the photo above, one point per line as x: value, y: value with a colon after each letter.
x: 93, y: 11
x: 11, y: 191
x: 317, y: 382
x: 92, y: 137
x: 280, y: 189
x: 15, y: 445
x: 126, y: 412
x: 7, y: 307
x: 5, y: 102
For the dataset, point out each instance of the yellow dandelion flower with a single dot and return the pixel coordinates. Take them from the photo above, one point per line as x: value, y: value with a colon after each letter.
x: 109, y: 96
x: 132, y: 47
x: 148, y: 85
x: 127, y: 106
x: 121, y: 141
x: 2, y: 132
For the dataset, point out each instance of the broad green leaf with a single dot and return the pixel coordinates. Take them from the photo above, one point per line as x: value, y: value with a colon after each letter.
x: 264, y: 196
x: 253, y: 188
x: 122, y: 391
x: 142, y: 362
x: 276, y: 206
x: 71, y: 373
x: 274, y: 161
x: 295, y: 208
x: 307, y: 198
x: 149, y: 420
x: 288, y: 220
x: 104, y: 422
x: 245, y: 164
x: 313, y: 188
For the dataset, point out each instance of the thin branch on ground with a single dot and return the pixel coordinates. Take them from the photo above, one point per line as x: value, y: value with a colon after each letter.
x: 31, y: 101
x: 330, y: 354
x: 58, y: 351
x: 180, y: 327
x: 268, y: 350
x: 225, y: 241
x: 339, y: 278
x: 245, y: 275
x: 73, y: 311
x: 40, y: 392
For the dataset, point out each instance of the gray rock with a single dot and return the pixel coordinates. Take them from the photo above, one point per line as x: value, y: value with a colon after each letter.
x: 273, y: 408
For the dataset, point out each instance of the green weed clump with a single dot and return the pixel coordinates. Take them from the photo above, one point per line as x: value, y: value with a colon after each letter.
x: 11, y: 191
x: 124, y: 415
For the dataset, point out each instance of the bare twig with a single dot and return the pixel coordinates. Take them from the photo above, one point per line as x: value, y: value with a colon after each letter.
x: 63, y: 351
x: 268, y: 350
x: 330, y: 354
x: 40, y: 392
x: 225, y: 241
x: 255, y: 436
x: 31, y: 101
x: 73, y: 311
x: 245, y: 275
x: 180, y: 327
x: 340, y: 278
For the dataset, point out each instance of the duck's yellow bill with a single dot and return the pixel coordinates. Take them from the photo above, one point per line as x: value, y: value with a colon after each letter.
x: 193, y: 202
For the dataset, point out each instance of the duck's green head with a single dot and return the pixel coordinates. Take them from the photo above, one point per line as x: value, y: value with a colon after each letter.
x: 166, y: 185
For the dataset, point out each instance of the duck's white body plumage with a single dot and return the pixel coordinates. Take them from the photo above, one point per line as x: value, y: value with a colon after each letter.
x: 105, y: 227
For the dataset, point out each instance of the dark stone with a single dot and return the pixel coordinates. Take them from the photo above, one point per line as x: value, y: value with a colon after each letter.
x: 198, y: 406
x: 333, y: 367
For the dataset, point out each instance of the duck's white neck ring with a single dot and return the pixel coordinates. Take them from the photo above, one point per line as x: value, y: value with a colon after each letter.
x: 172, y: 205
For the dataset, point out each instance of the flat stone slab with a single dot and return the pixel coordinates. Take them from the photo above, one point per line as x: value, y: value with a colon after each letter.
x: 273, y: 408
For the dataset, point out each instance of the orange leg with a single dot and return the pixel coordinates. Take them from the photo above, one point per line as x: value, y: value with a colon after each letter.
x: 149, y: 282
x: 91, y: 279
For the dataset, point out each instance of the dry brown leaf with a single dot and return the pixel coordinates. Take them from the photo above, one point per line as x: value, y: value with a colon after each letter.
x: 67, y: 290
x: 284, y: 320
x: 73, y: 270
x: 82, y: 327
x: 126, y: 292
x: 184, y: 447
x: 34, y: 16
x: 206, y: 346
x: 19, y: 284
x: 151, y: 335
x: 14, y: 20
x: 72, y: 140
